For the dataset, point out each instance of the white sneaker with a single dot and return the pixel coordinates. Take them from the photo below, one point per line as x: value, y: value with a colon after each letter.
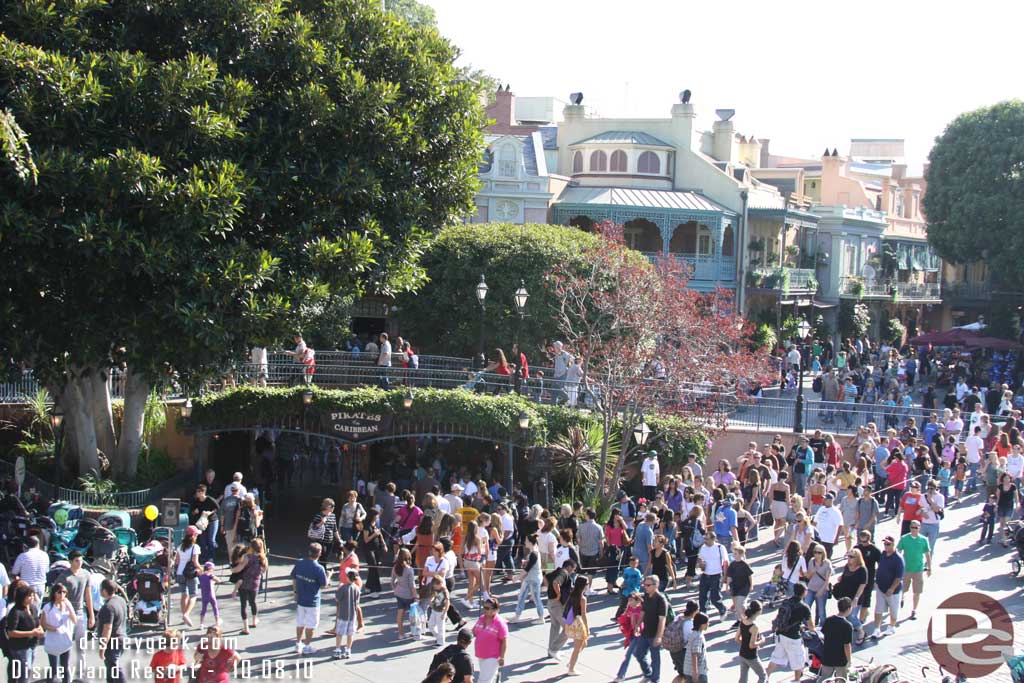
x: 339, y: 653
x: 539, y: 620
x: 298, y: 648
x: 555, y: 656
x: 517, y: 616
x: 308, y: 650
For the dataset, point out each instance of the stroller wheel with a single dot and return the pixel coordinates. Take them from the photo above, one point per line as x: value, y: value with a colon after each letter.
x: 1015, y: 565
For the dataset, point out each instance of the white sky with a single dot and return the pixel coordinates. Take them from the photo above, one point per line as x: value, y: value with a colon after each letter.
x: 804, y: 74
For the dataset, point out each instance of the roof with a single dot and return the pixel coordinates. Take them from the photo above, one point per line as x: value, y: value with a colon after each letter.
x: 529, y: 142
x: 549, y: 134
x: 623, y: 137
x: 872, y: 168
x: 652, y: 199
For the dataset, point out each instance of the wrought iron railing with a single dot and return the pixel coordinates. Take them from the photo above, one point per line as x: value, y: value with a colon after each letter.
x: 174, y: 486
x: 879, y: 289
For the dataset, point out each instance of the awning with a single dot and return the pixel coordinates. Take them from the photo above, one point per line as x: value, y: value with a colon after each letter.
x: 994, y: 343
x: 954, y: 337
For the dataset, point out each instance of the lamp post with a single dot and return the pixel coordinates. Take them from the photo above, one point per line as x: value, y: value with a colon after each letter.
x: 521, y: 297
x: 407, y: 400
x: 641, y: 432
x: 524, y: 430
x: 798, y: 420
x: 57, y: 425
x: 481, y: 296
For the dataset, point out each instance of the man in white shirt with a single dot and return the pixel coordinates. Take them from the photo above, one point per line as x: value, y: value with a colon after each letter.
x: 713, y: 562
x: 1015, y: 466
x: 651, y: 472
x: 236, y: 481
x: 32, y: 566
x: 384, y: 360
x: 793, y: 358
x: 455, y: 497
x: 258, y: 360
x: 931, y: 507
x: 828, y: 521
x: 974, y: 444
x: 961, y: 390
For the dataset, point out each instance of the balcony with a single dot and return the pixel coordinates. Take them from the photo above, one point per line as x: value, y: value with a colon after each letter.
x: 702, y: 267
x: 785, y: 280
x: 967, y: 292
x: 857, y: 288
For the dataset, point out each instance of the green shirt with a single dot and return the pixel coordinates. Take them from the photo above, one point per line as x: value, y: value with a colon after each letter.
x: 913, y: 552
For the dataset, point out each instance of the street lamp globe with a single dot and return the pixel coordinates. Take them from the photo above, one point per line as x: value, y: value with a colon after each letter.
x: 56, y: 418
x: 407, y: 400
x: 803, y: 329
x: 481, y: 290
x: 521, y: 296
x: 307, y: 397
x: 524, y: 420
x: 641, y: 432
x: 186, y: 409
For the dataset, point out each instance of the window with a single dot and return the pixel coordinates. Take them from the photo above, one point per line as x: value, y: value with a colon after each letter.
x: 598, y: 161
x: 648, y: 163
x: 618, y: 162
x: 577, y: 162
x: 703, y: 238
x: 507, y: 162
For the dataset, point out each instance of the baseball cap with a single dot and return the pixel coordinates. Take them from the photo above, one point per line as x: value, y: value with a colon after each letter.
x: 888, y: 539
x: 208, y: 565
x: 652, y: 454
x: 830, y: 496
x: 191, y: 530
x: 457, y: 487
x: 731, y: 499
x: 466, y: 635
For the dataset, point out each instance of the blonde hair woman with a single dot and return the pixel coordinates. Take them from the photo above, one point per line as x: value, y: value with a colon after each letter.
x: 474, y: 553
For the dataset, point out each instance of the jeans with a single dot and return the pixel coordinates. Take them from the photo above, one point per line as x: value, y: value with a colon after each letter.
x: 988, y: 527
x: 931, y: 532
x: 611, y: 560
x: 972, y: 479
x: 820, y: 601
x: 59, y: 667
x: 881, y: 480
x: 639, y: 648
x: 18, y: 664
x: 247, y: 598
x: 505, y: 557
x: 530, y: 587
x: 725, y: 542
x: 892, y: 500
x: 112, y: 663
x: 800, y: 483
x: 208, y: 539
x: 709, y: 587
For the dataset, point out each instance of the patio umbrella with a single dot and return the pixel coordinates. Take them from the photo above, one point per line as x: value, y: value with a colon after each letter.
x: 994, y: 343
x: 953, y: 337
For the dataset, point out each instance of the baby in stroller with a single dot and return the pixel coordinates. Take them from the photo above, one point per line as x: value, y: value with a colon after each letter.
x: 775, y: 591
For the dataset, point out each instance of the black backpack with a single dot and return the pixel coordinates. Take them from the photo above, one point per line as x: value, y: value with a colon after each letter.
x: 816, y: 385
x: 446, y: 655
x: 783, y: 620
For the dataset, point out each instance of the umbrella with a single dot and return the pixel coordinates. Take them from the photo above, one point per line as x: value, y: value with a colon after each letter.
x: 976, y: 327
x: 994, y: 343
x: 953, y: 337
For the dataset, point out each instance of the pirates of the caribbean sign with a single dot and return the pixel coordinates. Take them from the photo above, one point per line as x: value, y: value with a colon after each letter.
x: 356, y: 426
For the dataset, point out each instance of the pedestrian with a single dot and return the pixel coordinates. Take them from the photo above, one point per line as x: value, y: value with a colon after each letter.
x: 725, y: 523
x: 215, y: 661
x: 403, y: 585
x: 632, y: 618
x: 58, y: 622
x: 750, y: 639
x: 444, y: 673
x: 457, y: 657
x: 738, y: 578
x: 112, y: 621
x: 651, y: 474
x: 789, y: 648
x: 229, y: 507
x: 909, y: 510
x: 1007, y: 500
x: 490, y: 635
x: 591, y: 541
x: 818, y: 575
x: 324, y: 530
x: 23, y: 633
x: 346, y: 600
x: 32, y: 565
x: 794, y: 565
x: 559, y: 584
x: 932, y: 511
x: 867, y: 511
x: 917, y: 561
x: 205, y: 516
x: 643, y: 539
x: 351, y: 513
x: 576, y: 625
x: 695, y: 666
x: 837, y: 643
x: 853, y: 583
x: 848, y: 506
x: 187, y: 570
x: 79, y: 594
x: 308, y: 579
x: 896, y: 477
x: 649, y: 641
x: 384, y: 361
x: 253, y: 565
x: 988, y: 519
x: 780, y: 493
x: 828, y: 522
x: 169, y: 660
x: 888, y: 587
x: 661, y: 563
x: 208, y: 593
x: 438, y: 602
x: 371, y: 542
x: 713, y: 562
x: 530, y: 579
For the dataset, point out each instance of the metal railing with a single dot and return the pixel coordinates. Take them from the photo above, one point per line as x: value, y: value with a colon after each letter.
x: 968, y: 291
x: 701, y: 267
x: 801, y: 280
x: 119, y: 499
x: 887, y: 289
x: 779, y: 414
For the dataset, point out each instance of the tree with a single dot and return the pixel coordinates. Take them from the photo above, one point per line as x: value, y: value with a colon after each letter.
x: 207, y: 170
x: 854, y: 319
x: 443, y: 316
x: 648, y: 343
x: 975, y: 197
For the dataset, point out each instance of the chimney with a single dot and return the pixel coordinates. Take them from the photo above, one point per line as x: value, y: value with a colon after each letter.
x: 723, y: 144
x: 682, y: 124
x: 899, y: 171
x: 765, y: 154
x: 503, y: 110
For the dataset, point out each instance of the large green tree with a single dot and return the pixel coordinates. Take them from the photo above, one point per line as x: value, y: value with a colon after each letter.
x: 975, y: 197
x: 207, y: 170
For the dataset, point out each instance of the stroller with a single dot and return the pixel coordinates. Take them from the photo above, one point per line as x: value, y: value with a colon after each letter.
x: 149, y: 598
x: 815, y: 650
x: 1015, y: 535
x: 774, y: 592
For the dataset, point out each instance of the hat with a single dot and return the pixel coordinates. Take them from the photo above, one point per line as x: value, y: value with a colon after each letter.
x: 208, y: 565
x: 233, y: 487
x: 621, y: 495
x: 458, y: 487
x: 191, y: 530
x: 888, y: 539
x: 466, y: 635
x: 830, y: 496
x: 652, y: 454
x: 730, y: 499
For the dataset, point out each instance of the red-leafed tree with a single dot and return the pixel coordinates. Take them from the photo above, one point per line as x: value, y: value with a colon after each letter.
x: 650, y: 344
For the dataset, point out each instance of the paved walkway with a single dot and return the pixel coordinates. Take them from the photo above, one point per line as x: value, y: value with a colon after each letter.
x: 269, y: 651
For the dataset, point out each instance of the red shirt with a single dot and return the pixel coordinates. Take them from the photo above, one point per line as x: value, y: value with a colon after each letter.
x: 911, y: 504
x: 162, y: 661
x: 216, y: 670
x: 524, y: 367
x: 897, y: 473
x: 835, y: 454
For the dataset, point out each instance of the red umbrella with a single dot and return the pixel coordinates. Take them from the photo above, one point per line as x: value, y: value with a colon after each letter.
x: 954, y: 337
x: 994, y: 343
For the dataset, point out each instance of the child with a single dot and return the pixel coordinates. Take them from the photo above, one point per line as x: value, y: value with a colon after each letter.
x: 961, y: 477
x: 632, y: 619
x: 775, y: 588
x: 695, y: 666
x: 631, y: 580
x: 238, y: 563
x: 438, y: 609
x: 988, y: 519
x: 945, y: 479
x: 347, y: 603
x: 167, y: 662
x: 208, y: 589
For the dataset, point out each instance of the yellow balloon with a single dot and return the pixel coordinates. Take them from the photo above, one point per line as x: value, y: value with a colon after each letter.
x: 151, y: 512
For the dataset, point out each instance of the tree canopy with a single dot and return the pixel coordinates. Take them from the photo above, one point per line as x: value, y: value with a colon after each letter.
x: 204, y: 170
x: 975, y: 197
x: 443, y: 316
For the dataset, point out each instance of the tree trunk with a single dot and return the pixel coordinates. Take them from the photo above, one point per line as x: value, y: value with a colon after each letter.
x: 627, y: 434
x: 102, y: 413
x: 136, y: 393
x: 79, y: 425
x: 607, y: 415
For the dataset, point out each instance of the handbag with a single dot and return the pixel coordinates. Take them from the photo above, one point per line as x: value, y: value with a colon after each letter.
x: 316, y: 532
x: 203, y: 523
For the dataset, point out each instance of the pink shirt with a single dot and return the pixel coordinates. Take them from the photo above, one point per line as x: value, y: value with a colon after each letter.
x: 487, y: 639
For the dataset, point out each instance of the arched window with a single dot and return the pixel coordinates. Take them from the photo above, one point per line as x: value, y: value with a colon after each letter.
x: 727, y: 241
x: 648, y: 163
x: 598, y: 161
x: 618, y: 162
x: 577, y: 162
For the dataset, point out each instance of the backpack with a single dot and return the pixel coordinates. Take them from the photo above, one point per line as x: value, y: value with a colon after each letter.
x: 816, y: 385
x: 783, y: 620
x: 445, y: 656
x: 672, y: 638
x: 697, y: 537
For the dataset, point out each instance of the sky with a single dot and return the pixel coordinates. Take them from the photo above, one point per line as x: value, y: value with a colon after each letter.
x: 806, y: 75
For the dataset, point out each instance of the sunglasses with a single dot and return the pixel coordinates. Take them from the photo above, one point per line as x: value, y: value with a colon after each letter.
x: 887, y: 543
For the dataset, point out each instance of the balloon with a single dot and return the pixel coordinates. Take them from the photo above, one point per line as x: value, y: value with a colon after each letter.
x: 151, y: 512
x: 60, y: 517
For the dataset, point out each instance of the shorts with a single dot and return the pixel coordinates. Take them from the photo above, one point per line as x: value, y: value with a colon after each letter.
x: 404, y: 603
x: 189, y: 587
x: 779, y: 510
x: 887, y: 603
x: 471, y: 565
x: 492, y: 556
x: 789, y: 652
x: 915, y: 579
x: 344, y: 628
x: 865, y: 598
x: 307, y: 617
x: 678, y: 660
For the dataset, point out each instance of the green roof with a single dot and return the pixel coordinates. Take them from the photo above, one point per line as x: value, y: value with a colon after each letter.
x: 623, y: 137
